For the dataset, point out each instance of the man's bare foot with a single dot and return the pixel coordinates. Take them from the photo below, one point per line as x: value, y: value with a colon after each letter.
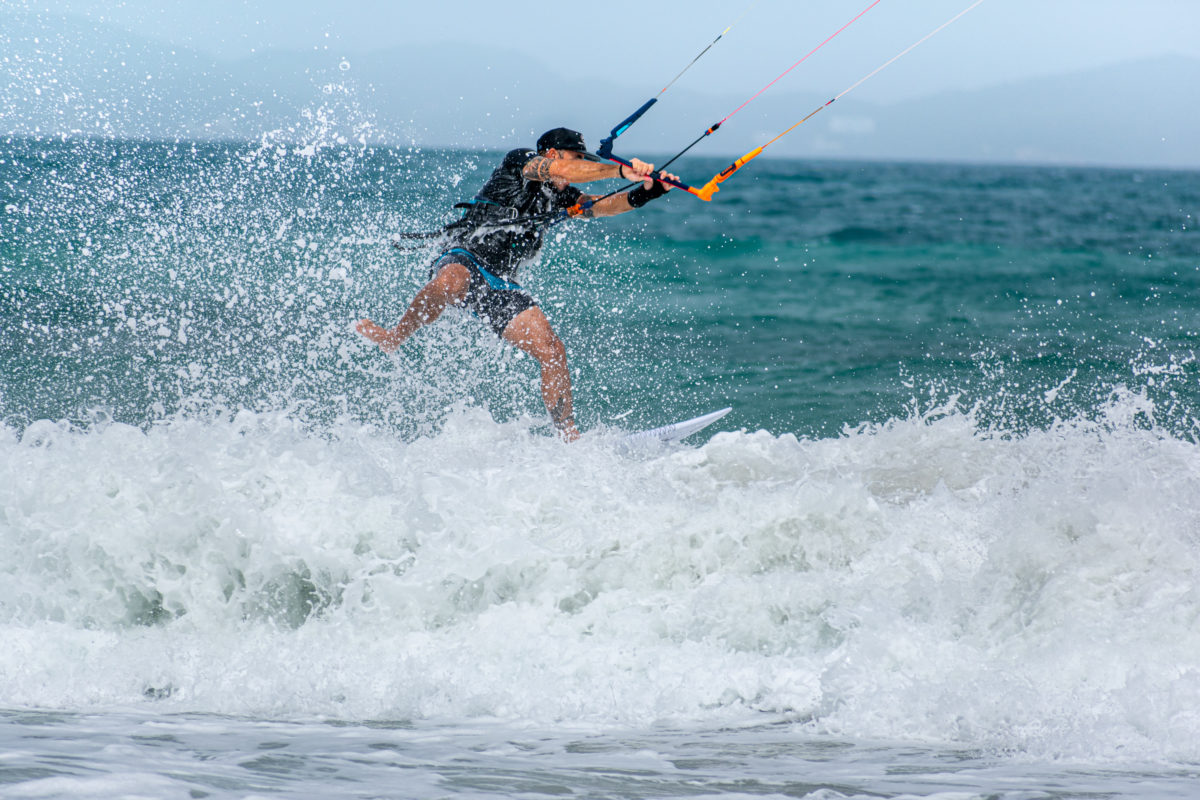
x: 569, y: 432
x: 381, y: 336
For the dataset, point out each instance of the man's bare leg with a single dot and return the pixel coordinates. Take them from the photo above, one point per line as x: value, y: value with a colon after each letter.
x: 448, y: 287
x: 531, y: 332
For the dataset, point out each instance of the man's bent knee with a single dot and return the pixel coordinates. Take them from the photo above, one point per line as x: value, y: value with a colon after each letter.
x: 551, y: 351
x: 531, y: 331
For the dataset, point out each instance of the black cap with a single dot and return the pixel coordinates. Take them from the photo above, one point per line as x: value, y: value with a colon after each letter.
x: 565, y: 139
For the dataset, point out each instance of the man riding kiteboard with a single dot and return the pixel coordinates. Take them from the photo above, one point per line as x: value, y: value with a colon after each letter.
x: 502, y: 229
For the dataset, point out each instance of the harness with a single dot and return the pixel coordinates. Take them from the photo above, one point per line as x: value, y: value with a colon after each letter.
x: 517, y: 215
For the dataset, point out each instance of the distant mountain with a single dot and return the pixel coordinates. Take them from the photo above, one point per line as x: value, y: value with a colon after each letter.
x: 1141, y: 113
x: 64, y: 75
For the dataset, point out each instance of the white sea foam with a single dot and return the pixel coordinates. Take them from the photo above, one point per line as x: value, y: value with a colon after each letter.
x: 923, y: 579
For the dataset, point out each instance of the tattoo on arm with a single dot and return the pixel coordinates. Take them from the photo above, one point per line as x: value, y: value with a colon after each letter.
x: 537, y: 169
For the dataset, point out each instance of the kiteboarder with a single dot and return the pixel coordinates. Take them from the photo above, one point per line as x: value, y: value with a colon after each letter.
x: 502, y: 229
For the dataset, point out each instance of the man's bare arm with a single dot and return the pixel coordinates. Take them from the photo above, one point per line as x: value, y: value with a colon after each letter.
x: 608, y: 207
x: 615, y: 204
x: 541, y: 168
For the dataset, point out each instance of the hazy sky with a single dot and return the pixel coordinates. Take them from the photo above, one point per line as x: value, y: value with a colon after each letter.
x: 1043, y: 81
x: 644, y: 44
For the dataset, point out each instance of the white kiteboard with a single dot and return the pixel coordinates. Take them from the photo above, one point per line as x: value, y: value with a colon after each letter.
x: 678, y: 430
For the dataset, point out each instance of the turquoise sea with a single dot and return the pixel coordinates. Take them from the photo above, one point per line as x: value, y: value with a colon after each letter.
x: 947, y: 544
x: 810, y: 296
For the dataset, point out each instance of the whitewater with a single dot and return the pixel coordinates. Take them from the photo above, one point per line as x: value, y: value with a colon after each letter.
x: 920, y: 580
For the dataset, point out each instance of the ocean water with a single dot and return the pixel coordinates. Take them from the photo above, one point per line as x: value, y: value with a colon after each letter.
x: 946, y: 545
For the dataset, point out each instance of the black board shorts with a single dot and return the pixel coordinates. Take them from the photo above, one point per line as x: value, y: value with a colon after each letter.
x: 494, y: 300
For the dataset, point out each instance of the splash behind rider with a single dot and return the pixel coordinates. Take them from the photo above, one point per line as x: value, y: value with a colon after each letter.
x: 496, y: 236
